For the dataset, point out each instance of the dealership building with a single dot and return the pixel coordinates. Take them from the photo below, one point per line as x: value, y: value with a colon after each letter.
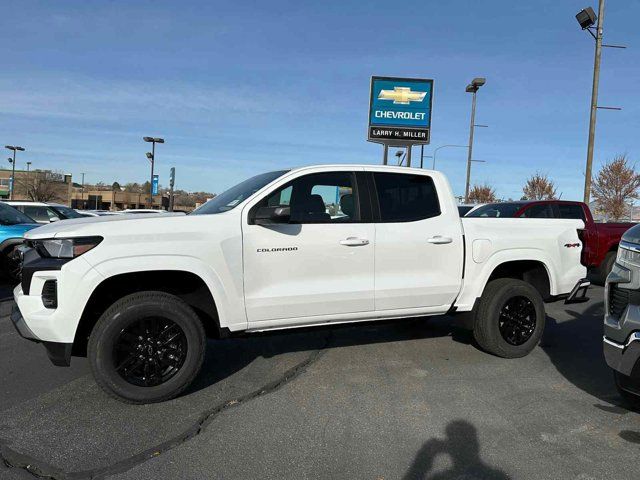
x: 61, y: 189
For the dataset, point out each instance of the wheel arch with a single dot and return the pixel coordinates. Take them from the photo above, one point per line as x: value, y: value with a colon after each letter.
x: 186, y: 285
x: 534, y: 272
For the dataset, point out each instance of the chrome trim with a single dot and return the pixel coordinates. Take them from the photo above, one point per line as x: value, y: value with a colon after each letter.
x: 630, y: 246
x: 634, y: 337
x: 612, y: 343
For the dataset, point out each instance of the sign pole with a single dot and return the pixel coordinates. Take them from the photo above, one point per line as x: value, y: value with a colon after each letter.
x: 409, y: 155
x: 385, y: 157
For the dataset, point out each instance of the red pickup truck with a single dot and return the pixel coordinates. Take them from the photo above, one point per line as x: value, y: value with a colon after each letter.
x: 600, y: 240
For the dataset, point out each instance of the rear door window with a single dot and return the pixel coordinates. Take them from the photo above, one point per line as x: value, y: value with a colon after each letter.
x: 406, y: 198
x: 38, y: 213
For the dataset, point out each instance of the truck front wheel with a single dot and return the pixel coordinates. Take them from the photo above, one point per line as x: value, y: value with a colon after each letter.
x: 147, y: 347
x: 510, y: 318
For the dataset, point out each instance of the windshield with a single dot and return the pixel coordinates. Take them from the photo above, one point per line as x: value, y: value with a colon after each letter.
x: 12, y: 216
x: 502, y: 210
x: 67, y: 212
x: 236, y: 195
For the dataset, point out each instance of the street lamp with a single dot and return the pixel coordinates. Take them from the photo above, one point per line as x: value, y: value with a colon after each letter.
x: 152, y: 157
x: 444, y: 146
x: 586, y: 19
x: 473, y: 88
x: 13, y: 166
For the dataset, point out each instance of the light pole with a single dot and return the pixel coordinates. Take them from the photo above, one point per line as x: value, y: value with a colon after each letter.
x: 13, y: 166
x: 587, y: 18
x: 152, y: 157
x: 444, y: 146
x: 473, y: 88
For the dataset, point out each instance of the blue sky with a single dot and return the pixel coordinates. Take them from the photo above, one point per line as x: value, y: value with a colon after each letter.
x: 239, y: 88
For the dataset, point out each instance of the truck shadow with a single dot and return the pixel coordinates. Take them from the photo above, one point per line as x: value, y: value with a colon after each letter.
x: 226, y: 357
x: 574, y: 347
x: 462, y: 446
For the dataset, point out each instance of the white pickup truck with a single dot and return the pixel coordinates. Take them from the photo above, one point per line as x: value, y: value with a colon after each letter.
x: 294, y: 248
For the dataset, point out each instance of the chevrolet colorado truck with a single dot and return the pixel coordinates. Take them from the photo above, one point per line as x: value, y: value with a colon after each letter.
x: 600, y: 240
x: 305, y: 247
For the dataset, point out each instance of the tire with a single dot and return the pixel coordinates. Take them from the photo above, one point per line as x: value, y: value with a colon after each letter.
x: 605, y: 267
x: 632, y: 400
x: 9, y: 266
x: 175, y: 341
x: 510, y: 318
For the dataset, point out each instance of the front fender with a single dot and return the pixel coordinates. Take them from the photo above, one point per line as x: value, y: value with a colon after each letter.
x: 231, y: 315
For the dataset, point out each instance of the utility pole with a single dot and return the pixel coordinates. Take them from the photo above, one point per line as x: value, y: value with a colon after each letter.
x: 472, y: 88
x: 594, y: 101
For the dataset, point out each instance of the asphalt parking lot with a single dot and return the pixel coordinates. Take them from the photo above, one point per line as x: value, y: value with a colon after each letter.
x: 408, y: 400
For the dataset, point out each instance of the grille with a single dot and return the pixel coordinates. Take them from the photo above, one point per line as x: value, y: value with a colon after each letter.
x: 619, y: 298
x: 50, y: 294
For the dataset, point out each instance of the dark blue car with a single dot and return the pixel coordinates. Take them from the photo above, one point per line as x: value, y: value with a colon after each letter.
x: 13, y: 224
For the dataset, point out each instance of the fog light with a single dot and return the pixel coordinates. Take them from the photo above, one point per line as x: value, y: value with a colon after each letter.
x: 50, y: 294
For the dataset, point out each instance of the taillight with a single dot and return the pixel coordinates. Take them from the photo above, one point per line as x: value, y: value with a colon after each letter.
x: 583, y: 254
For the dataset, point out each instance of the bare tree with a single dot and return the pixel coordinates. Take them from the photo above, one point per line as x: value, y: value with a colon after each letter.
x: 615, y: 186
x: 42, y: 186
x: 539, y: 187
x: 482, y: 194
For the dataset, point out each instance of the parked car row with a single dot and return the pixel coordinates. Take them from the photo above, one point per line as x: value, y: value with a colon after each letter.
x: 17, y: 217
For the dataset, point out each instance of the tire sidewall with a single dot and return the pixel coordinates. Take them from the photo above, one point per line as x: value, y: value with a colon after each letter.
x: 122, y: 314
x: 495, y: 306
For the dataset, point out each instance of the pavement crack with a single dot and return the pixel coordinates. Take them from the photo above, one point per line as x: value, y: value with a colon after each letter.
x: 41, y: 469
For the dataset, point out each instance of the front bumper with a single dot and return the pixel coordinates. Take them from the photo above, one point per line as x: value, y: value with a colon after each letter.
x: 621, y: 341
x: 623, y: 357
x: 59, y: 353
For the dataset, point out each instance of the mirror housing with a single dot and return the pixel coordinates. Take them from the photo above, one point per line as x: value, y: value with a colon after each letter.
x: 54, y: 219
x: 272, y: 215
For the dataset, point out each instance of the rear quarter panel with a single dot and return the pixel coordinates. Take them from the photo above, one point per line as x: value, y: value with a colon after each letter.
x: 491, y: 242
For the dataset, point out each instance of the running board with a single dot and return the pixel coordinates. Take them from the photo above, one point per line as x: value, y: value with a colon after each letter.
x: 579, y: 292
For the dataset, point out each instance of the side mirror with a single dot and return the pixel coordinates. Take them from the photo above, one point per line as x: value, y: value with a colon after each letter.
x: 271, y: 215
x: 54, y: 219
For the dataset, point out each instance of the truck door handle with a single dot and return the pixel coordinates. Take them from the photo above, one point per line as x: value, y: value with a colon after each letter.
x: 354, y: 242
x: 439, y: 240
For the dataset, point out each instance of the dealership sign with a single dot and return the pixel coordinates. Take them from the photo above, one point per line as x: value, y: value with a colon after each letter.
x: 400, y: 111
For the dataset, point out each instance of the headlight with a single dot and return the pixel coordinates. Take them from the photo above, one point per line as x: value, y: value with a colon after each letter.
x: 629, y: 253
x: 65, y: 247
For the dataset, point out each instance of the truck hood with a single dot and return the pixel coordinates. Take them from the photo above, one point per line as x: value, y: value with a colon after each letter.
x: 632, y: 235
x: 151, y: 223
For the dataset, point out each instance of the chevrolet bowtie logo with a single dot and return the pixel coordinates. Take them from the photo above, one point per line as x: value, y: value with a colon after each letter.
x: 401, y: 95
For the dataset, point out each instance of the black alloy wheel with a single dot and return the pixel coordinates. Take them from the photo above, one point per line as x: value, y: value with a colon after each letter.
x: 517, y: 320
x: 150, y: 351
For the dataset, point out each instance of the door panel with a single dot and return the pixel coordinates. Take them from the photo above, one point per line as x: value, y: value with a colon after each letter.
x: 320, y: 265
x: 419, y: 251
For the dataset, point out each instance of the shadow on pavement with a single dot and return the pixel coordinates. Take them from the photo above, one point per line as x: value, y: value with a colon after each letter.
x: 39, y: 434
x: 461, y: 445
x: 574, y: 347
x: 228, y: 356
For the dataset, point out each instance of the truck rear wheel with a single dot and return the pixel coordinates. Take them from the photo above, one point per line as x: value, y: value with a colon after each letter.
x: 147, y: 347
x: 510, y: 318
